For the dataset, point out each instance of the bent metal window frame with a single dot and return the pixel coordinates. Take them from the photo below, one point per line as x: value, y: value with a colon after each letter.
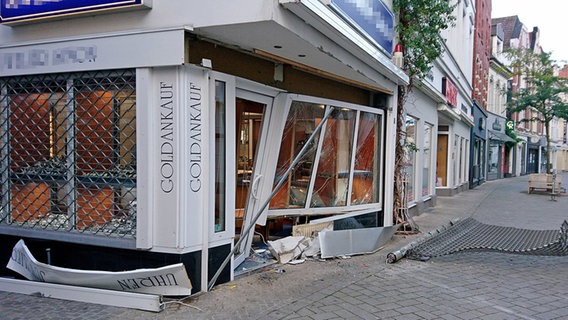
x: 351, y: 203
x: 68, y: 154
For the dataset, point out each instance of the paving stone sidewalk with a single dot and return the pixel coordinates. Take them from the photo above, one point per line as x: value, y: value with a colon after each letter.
x: 458, y: 286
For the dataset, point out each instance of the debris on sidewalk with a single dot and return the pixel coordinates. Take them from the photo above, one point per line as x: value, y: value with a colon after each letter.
x: 321, y: 241
x: 311, y: 230
x: 289, y: 248
x: 354, y: 241
x: 260, y: 258
x: 302, y: 244
x: 297, y: 261
x: 171, y: 280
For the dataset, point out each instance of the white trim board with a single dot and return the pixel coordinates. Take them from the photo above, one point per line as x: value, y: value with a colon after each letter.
x: 139, y: 301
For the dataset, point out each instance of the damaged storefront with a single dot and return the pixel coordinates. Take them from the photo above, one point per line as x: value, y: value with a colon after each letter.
x: 146, y: 137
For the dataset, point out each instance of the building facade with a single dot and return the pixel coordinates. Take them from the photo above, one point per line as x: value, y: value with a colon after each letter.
x: 482, y: 52
x: 453, y: 73
x: 529, y: 154
x: 500, y: 142
x: 561, y: 160
x: 421, y: 125
x: 439, y: 118
x: 479, y: 94
x: 158, y: 133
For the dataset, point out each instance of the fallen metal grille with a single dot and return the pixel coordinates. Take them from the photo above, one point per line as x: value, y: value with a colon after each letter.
x: 471, y: 235
x: 68, y: 152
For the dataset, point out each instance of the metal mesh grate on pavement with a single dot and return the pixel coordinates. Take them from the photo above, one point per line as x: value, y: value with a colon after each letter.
x: 471, y: 235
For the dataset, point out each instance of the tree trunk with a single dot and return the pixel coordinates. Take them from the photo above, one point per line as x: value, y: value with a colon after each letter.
x: 548, y: 158
x: 399, y: 158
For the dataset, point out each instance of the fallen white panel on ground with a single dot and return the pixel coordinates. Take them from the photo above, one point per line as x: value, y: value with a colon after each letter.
x: 289, y: 248
x: 354, y: 241
x: 139, y: 301
x: 170, y: 280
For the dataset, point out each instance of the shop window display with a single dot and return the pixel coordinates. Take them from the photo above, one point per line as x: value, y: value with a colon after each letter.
x: 69, y: 157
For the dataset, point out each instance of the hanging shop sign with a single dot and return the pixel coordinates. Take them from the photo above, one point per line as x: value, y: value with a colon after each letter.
x: 20, y: 11
x: 372, y: 18
x: 497, y: 125
x: 510, y: 124
x: 450, y: 91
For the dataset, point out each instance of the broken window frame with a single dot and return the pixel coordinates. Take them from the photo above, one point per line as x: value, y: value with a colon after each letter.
x: 348, y: 209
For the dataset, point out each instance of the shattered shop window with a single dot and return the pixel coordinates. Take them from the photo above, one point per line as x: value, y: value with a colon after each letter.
x: 340, y: 170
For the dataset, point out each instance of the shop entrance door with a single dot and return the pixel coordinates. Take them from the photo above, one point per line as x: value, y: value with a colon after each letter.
x: 532, y: 166
x: 252, y: 110
x: 442, y: 161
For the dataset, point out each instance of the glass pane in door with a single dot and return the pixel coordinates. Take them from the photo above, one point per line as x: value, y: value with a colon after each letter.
x: 248, y: 125
x: 220, y: 163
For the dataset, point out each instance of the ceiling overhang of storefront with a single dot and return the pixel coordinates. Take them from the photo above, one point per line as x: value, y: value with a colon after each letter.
x: 312, y: 43
x: 499, y: 136
x: 450, y: 113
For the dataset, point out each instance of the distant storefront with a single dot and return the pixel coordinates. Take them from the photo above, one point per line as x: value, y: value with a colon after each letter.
x: 496, y: 165
x: 478, y: 146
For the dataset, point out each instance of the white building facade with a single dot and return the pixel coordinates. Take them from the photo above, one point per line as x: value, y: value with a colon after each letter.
x: 502, y: 150
x: 453, y: 73
x: 439, y: 118
x: 158, y: 132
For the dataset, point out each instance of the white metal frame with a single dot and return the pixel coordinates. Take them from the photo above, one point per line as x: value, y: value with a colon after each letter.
x: 148, y: 302
x: 217, y: 238
x: 259, y: 180
x: 348, y: 209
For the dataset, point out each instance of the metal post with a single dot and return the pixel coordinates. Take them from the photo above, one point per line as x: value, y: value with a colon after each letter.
x: 5, y: 194
x: 553, y: 193
x: 267, y: 202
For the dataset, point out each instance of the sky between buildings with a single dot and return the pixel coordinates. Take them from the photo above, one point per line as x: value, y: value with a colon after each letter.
x: 550, y: 16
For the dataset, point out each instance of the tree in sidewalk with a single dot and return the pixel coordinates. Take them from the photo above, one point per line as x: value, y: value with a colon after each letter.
x: 544, y: 97
x: 418, y: 27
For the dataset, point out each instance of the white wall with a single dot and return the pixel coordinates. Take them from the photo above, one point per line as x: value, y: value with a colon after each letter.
x: 497, y: 96
x: 163, y: 14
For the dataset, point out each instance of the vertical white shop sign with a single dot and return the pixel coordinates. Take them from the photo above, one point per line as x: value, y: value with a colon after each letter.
x: 195, y: 146
x: 166, y: 104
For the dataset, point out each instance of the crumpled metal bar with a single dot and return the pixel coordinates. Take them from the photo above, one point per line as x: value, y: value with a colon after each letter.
x: 471, y: 235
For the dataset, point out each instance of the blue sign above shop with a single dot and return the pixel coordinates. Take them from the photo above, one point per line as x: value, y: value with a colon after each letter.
x: 17, y: 11
x: 371, y: 17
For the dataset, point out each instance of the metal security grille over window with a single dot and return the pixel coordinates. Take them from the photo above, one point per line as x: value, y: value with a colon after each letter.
x: 68, y: 152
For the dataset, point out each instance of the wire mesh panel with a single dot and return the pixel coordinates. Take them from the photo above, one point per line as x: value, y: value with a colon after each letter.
x: 68, y: 152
